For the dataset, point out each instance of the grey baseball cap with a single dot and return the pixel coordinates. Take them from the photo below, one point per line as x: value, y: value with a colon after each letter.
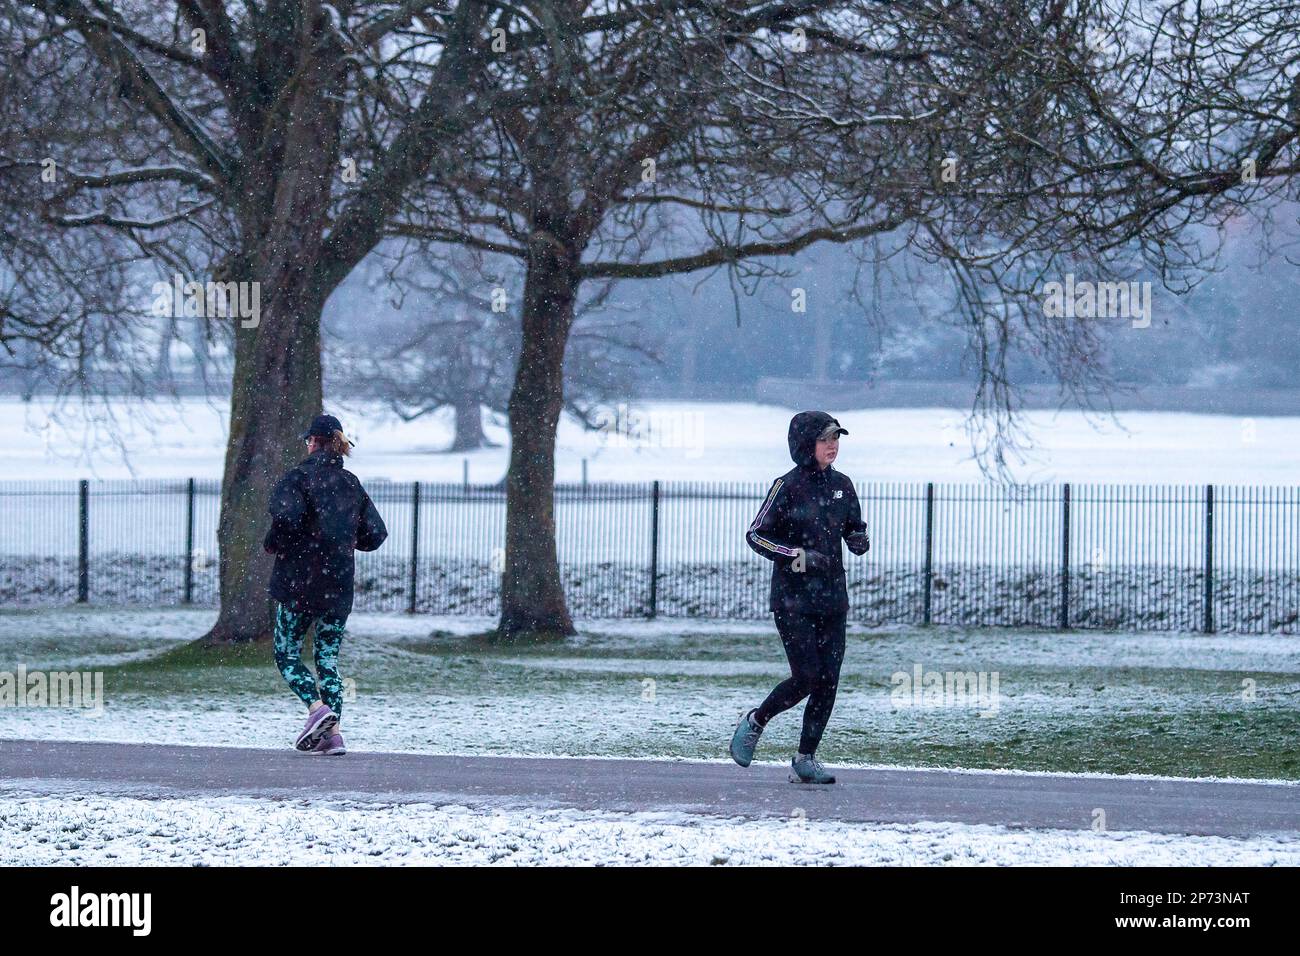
x: 833, y: 430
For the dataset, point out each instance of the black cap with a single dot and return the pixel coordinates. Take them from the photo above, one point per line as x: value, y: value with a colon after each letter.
x: 322, y: 426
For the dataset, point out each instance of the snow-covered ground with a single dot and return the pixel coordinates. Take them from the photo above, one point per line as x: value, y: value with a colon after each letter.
x: 673, y: 689
x: 84, y: 637
x: 667, y: 441
x: 665, y: 689
x: 75, y: 830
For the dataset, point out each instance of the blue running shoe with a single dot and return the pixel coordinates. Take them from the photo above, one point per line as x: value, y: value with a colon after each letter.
x: 808, y: 769
x: 745, y: 739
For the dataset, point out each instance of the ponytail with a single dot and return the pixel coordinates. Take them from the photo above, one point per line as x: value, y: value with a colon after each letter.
x: 337, y: 444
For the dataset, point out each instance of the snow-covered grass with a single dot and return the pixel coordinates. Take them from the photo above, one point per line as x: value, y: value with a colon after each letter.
x: 1179, y: 705
x: 71, y: 830
x: 676, y: 440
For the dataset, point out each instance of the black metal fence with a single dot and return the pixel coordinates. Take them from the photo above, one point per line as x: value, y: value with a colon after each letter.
x: 1184, y: 558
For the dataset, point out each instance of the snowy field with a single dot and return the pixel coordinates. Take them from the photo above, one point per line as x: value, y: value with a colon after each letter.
x: 74, y: 830
x: 1137, y: 552
x: 1084, y: 702
x: 1145, y: 705
x: 675, y: 441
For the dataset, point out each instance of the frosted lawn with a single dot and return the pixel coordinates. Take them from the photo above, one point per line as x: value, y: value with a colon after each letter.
x: 1080, y: 702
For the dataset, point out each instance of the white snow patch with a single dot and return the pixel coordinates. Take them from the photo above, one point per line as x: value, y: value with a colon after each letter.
x: 44, y: 830
x: 697, y: 441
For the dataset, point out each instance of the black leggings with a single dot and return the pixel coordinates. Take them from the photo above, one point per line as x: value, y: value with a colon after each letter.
x: 814, y: 643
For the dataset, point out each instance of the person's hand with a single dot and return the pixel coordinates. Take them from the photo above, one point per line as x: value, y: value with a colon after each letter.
x: 810, y: 560
x: 858, y: 542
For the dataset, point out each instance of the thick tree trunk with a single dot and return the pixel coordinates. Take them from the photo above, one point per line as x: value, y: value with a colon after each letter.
x: 277, y: 378
x: 276, y: 391
x: 469, y: 424
x: 532, y: 597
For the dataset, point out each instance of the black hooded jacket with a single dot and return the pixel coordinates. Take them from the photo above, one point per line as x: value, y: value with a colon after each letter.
x: 812, y: 510
x: 319, y: 514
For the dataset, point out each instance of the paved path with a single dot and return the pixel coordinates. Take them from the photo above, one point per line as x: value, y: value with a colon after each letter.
x: 886, y: 796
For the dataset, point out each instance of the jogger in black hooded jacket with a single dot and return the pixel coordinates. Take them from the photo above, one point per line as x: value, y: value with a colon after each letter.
x: 807, y: 513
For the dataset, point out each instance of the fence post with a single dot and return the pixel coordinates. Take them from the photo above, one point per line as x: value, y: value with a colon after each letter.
x: 415, y: 545
x: 1209, y: 559
x: 929, y: 548
x: 1065, y: 556
x: 189, y: 542
x: 654, y: 549
x: 83, y: 541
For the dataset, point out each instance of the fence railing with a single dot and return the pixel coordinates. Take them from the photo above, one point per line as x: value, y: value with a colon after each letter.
x: 1167, y: 557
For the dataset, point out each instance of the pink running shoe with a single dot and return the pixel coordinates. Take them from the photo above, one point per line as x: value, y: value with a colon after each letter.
x: 320, y: 722
x: 333, y: 746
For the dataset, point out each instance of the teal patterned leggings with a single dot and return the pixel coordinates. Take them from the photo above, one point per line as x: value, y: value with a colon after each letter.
x: 290, y: 629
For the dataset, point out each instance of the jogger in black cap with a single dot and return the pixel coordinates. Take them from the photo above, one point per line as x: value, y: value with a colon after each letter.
x: 319, y: 515
x: 807, y: 513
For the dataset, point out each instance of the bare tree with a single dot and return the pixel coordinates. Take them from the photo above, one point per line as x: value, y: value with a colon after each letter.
x: 629, y: 140
x: 286, y: 133
x: 1143, y: 131
x: 728, y: 137
x: 430, y: 340
x: 442, y: 331
x: 75, y: 325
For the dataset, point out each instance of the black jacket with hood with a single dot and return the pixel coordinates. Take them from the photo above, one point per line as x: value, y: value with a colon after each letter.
x: 810, y: 510
x: 319, y: 514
